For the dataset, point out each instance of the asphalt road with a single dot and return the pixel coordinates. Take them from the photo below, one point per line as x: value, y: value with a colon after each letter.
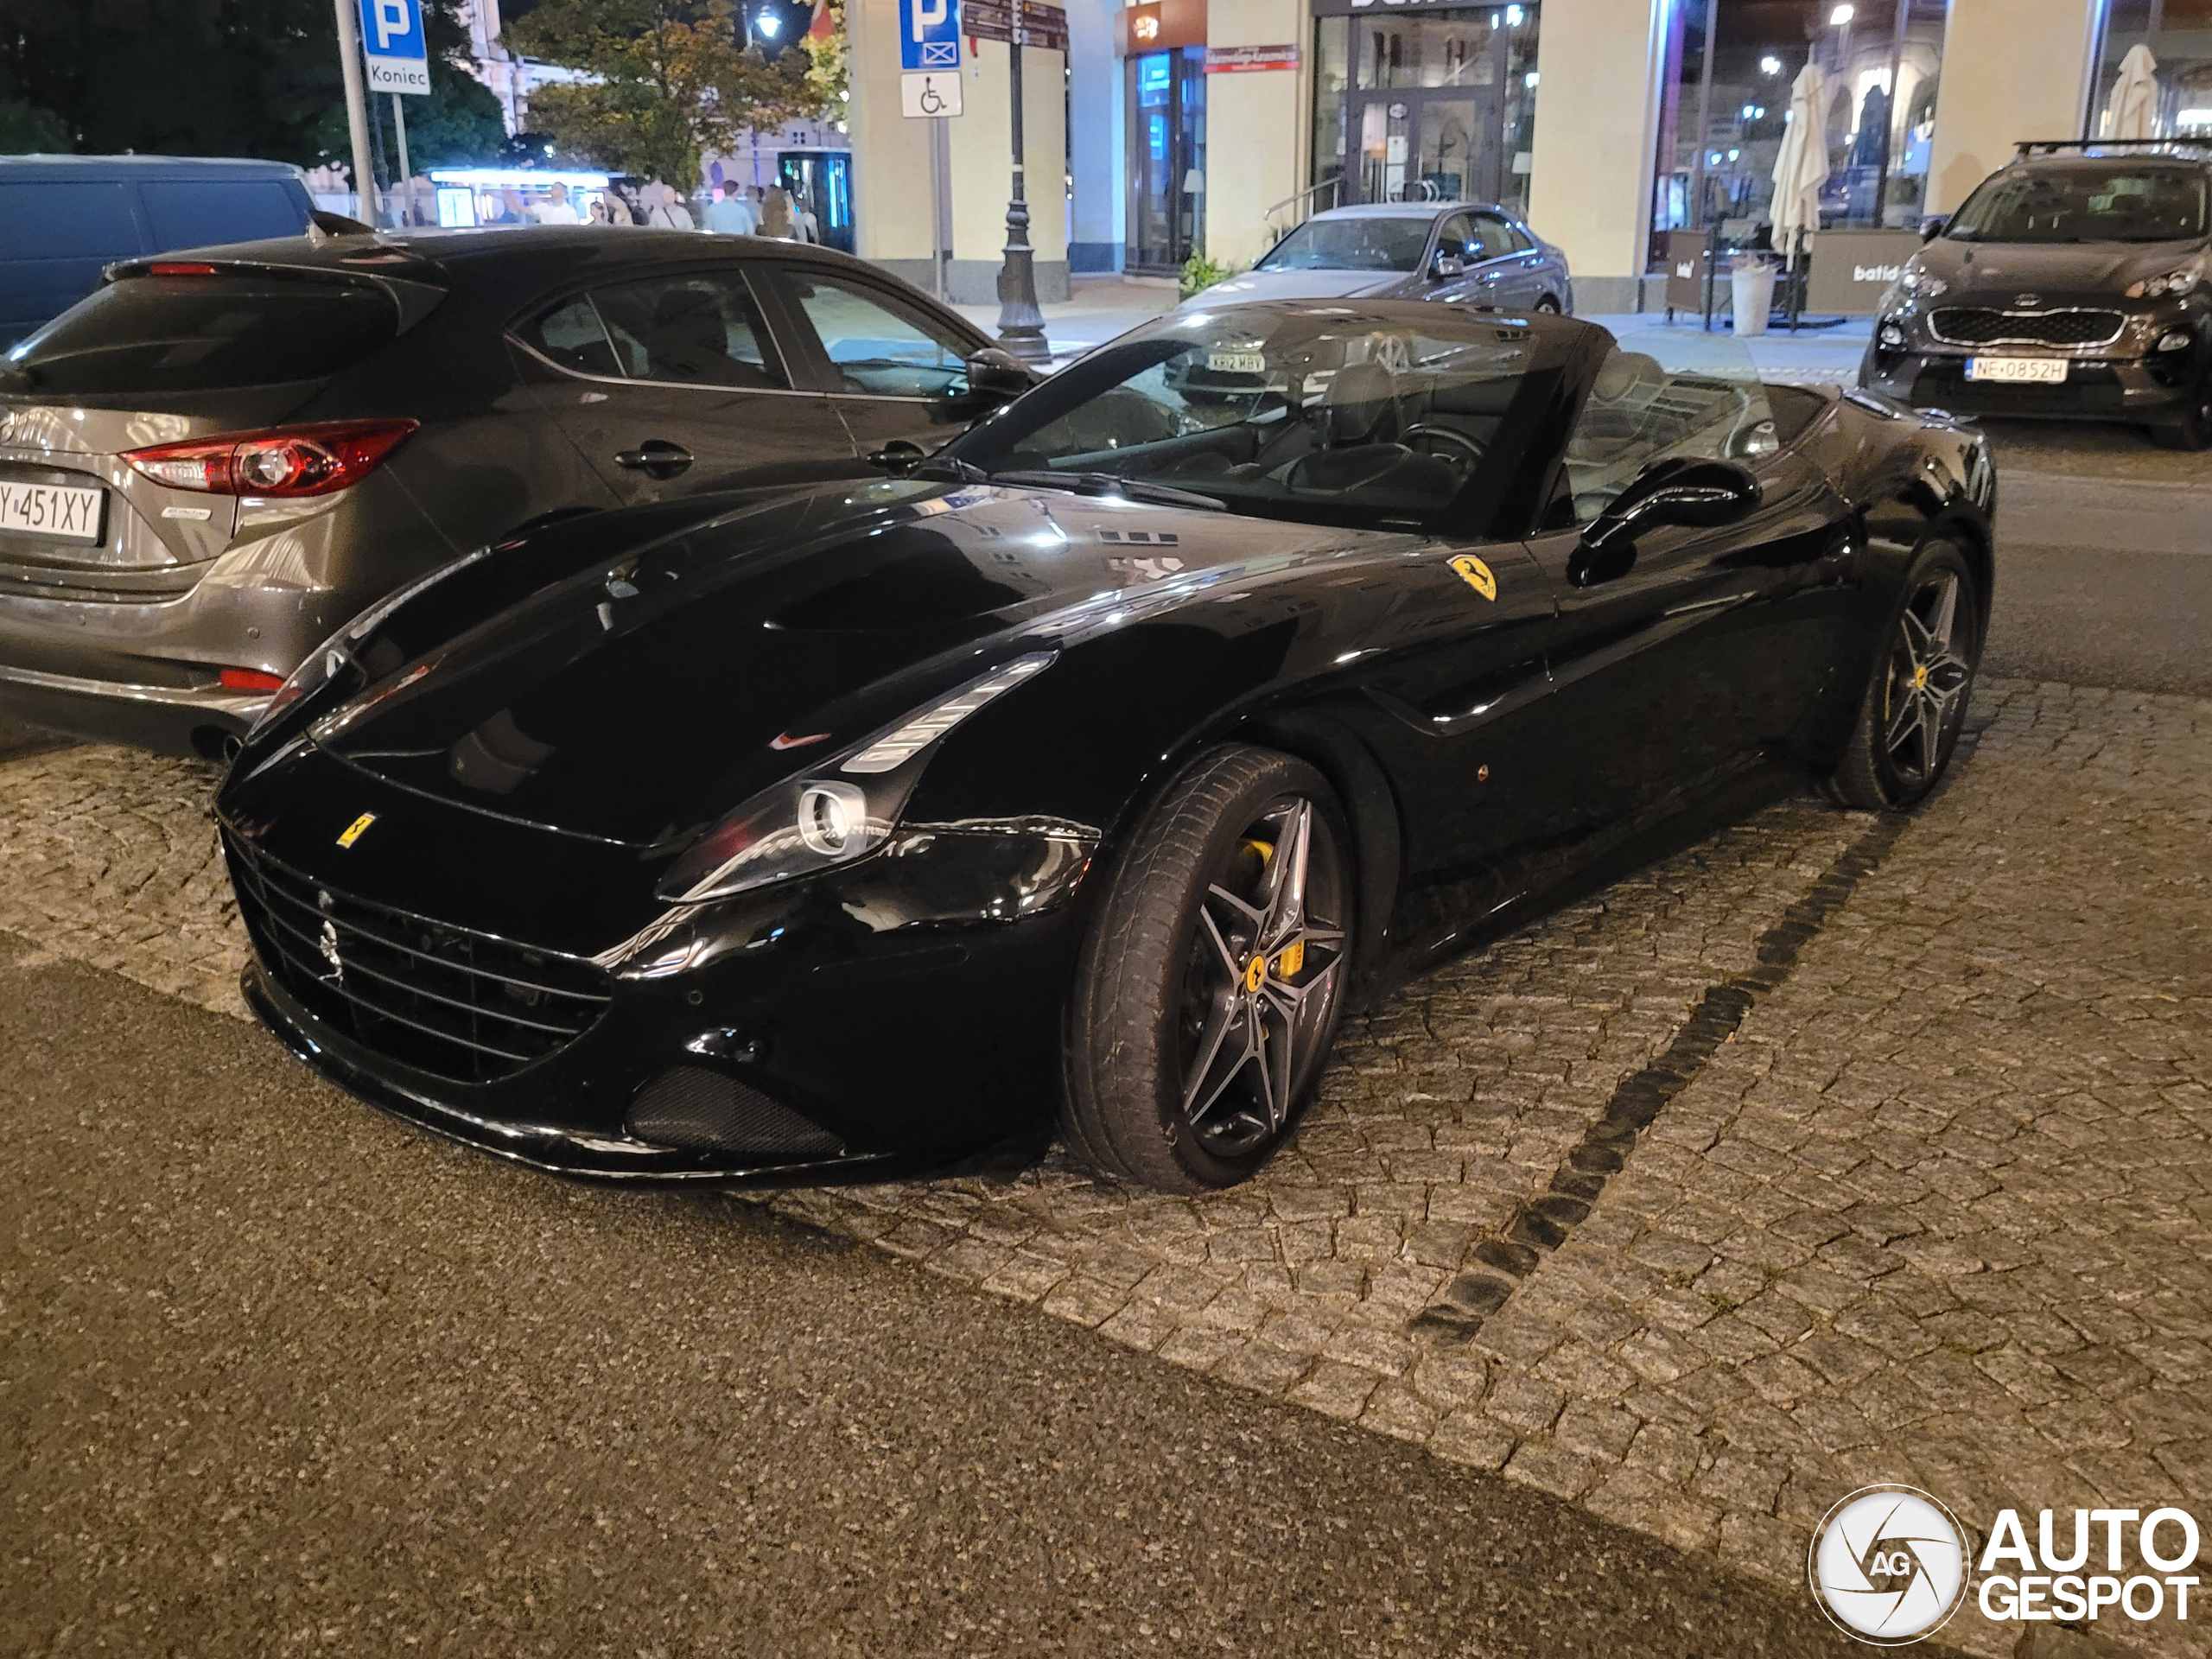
x: 282, y: 1376
x: 2104, y: 560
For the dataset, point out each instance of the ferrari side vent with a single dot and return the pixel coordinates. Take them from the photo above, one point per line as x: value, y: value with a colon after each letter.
x: 699, y: 1111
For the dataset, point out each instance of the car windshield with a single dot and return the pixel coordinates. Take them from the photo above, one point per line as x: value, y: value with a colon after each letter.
x: 1324, y: 415
x: 2126, y: 202
x: 1358, y: 242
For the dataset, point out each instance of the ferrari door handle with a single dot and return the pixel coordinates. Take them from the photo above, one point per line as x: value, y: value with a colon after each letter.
x: 656, y: 458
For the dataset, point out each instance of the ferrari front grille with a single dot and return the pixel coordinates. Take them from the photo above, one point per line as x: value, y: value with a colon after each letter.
x: 456, y: 1004
x: 1967, y: 325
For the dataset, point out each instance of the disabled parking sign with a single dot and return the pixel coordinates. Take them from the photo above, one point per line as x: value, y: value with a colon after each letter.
x: 929, y: 35
x: 391, y: 41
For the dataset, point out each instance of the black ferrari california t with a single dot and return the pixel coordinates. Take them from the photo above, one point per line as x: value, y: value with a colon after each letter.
x: 1095, y: 763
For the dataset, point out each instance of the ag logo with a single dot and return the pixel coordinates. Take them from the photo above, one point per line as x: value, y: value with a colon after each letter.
x: 1889, y: 1565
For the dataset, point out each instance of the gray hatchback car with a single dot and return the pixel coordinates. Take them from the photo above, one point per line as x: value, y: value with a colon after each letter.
x: 215, y: 461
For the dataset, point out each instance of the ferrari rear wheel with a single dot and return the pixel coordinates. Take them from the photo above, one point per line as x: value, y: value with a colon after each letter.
x: 1210, y: 986
x: 1916, y: 701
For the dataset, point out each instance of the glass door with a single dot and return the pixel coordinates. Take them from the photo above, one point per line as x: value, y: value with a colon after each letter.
x: 1436, y: 145
x: 1167, y: 171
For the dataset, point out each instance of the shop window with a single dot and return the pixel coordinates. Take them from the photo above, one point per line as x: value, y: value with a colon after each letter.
x: 1732, y: 66
x: 2179, y: 35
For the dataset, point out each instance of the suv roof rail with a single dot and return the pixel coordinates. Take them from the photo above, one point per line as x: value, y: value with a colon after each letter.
x: 2023, y: 148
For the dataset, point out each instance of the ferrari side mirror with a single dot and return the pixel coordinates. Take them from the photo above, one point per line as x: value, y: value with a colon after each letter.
x: 896, y: 457
x: 1693, y: 494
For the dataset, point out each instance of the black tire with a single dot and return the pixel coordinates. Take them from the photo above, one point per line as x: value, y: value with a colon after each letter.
x: 2193, y: 432
x: 1548, y: 304
x: 1190, y: 897
x: 1915, y: 703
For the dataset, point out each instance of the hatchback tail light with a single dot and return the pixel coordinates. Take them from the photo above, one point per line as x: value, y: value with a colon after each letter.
x: 285, y: 461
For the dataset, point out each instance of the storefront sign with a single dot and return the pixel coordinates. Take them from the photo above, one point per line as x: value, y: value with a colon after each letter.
x: 1159, y: 26
x: 1236, y: 59
x: 1042, y: 26
x: 1852, y: 269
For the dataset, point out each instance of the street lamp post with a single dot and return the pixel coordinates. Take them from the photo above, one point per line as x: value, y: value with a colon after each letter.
x: 1021, y: 325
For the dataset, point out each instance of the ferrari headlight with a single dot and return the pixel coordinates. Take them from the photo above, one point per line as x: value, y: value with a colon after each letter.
x: 832, y: 816
x: 2173, y: 284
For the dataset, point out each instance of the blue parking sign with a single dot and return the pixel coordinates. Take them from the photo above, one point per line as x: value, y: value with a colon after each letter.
x: 929, y: 34
x: 391, y: 41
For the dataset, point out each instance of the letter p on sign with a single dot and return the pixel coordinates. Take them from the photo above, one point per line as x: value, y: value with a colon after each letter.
x: 393, y: 22
x: 929, y: 14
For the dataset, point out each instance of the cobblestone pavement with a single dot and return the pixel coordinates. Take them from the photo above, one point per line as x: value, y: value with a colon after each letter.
x: 1831, y: 1151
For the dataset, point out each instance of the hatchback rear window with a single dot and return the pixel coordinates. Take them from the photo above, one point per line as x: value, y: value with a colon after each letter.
x: 200, y: 333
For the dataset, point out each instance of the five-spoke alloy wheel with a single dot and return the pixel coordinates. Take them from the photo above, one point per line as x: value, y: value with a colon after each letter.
x: 1916, y: 701
x: 1212, y: 978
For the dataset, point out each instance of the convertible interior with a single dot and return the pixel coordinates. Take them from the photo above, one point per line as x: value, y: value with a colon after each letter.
x: 1399, y: 443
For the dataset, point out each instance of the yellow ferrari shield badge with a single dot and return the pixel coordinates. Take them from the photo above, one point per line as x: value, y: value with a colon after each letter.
x: 356, y: 830
x: 1476, y: 575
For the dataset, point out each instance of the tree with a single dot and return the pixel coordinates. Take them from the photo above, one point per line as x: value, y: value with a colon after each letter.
x: 26, y: 130
x: 828, y: 78
x: 256, y: 78
x: 671, y: 81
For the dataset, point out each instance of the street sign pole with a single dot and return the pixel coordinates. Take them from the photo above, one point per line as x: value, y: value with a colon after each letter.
x: 357, y: 107
x: 1021, y: 325
x: 406, y: 174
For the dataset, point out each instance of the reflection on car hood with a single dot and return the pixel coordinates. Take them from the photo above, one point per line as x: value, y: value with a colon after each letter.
x: 1298, y: 285
x: 1997, y: 273
x: 644, y: 696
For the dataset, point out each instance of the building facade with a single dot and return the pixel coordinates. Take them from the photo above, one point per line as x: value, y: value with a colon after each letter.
x: 1211, y: 126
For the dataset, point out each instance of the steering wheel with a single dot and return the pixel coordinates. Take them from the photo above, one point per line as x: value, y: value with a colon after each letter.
x: 1445, y: 444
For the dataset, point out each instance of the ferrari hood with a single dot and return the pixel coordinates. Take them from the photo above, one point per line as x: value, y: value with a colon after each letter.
x: 642, y: 697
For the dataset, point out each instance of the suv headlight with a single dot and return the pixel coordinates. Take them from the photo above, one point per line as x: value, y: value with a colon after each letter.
x: 836, y: 814
x: 2173, y: 284
x: 1915, y: 284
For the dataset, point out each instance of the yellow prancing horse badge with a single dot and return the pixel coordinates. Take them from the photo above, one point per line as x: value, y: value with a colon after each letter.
x: 356, y: 830
x: 1476, y: 575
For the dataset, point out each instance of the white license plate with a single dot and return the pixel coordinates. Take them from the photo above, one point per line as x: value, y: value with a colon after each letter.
x: 53, y: 513
x: 2019, y: 371
x: 1237, y: 362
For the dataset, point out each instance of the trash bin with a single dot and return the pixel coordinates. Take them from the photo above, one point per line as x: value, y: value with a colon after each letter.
x: 1753, y: 283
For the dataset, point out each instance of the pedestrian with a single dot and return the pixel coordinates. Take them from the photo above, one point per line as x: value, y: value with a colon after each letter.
x: 776, y: 215
x: 599, y: 212
x: 810, y: 227
x: 557, y: 208
x: 668, y: 211
x: 730, y: 213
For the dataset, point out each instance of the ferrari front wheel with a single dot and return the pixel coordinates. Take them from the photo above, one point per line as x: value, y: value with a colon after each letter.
x: 1210, y: 982
x: 1915, y: 704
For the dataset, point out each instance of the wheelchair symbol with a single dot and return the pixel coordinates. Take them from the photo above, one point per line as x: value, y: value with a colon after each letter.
x: 930, y: 103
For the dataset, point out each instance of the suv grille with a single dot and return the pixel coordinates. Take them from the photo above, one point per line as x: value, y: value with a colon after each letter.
x: 1963, y: 324
x: 456, y: 1004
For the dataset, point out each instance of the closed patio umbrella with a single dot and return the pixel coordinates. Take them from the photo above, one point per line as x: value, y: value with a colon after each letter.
x: 2134, y: 107
x: 1803, y: 166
